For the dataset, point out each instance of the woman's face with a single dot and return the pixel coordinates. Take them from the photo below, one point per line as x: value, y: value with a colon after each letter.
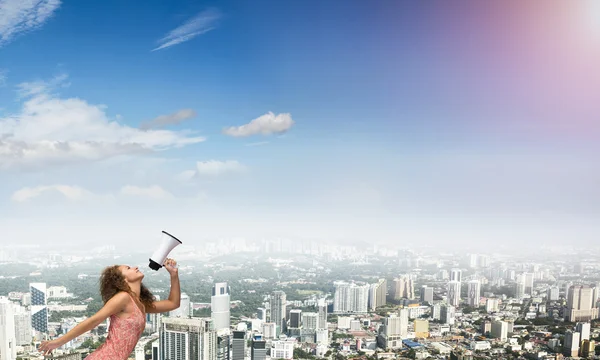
x: 131, y: 274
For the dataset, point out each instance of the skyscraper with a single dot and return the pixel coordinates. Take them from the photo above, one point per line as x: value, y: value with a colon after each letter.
x: 350, y: 298
x: 572, y: 340
x: 322, y: 305
x: 310, y: 320
x: 528, y: 280
x: 394, y: 329
x: 23, y: 333
x: 238, y: 345
x: 223, y: 342
x: 278, y: 304
x: 219, y: 306
x: 8, y: 341
x: 454, y: 293
x: 427, y: 294
x: 295, y: 318
x: 258, y: 348
x: 377, y: 294
x: 184, y: 309
x: 447, y: 314
x: 584, y: 329
x: 500, y: 330
x: 456, y: 275
x: 403, y: 288
x: 39, y: 308
x: 473, y: 293
x: 187, y: 339
x: 553, y: 293
x: 581, y: 303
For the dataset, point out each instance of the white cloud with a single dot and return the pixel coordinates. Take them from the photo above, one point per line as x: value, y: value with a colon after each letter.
x: 170, y: 119
x: 21, y: 16
x: 76, y: 193
x: 152, y: 192
x: 73, y: 193
x: 216, y: 168
x: 52, y: 130
x: 267, y: 124
x: 198, y: 25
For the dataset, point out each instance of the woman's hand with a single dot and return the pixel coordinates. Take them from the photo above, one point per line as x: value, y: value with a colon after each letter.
x: 46, y: 347
x: 171, y: 266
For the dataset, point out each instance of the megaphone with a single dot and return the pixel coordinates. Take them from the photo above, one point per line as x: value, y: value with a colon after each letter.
x: 168, y: 243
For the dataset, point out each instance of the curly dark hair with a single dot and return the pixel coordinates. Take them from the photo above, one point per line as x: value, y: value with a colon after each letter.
x: 112, y: 282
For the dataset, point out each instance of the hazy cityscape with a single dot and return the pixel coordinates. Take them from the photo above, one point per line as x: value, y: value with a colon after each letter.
x: 314, y: 179
x: 285, y: 299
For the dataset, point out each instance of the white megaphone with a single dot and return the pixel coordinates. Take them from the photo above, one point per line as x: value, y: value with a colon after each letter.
x: 168, y: 243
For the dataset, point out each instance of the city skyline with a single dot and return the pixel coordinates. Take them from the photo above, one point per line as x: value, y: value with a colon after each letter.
x: 390, y: 121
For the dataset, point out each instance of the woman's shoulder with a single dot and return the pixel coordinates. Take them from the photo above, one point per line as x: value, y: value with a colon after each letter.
x: 121, y: 296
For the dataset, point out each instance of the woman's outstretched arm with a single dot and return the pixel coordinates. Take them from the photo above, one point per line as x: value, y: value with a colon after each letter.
x: 115, y: 305
x: 174, y: 299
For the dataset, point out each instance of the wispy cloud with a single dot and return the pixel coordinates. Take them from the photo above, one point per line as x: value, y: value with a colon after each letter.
x: 51, y: 130
x: 267, y: 124
x: 20, y: 16
x: 73, y: 193
x: 170, y: 119
x: 198, y: 25
x: 2, y: 77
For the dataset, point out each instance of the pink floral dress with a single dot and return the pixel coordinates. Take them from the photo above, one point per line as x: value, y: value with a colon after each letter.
x: 123, y: 335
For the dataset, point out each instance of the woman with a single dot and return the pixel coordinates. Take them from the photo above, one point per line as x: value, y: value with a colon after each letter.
x: 126, y: 302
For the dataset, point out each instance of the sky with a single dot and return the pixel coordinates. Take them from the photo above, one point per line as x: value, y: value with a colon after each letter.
x: 400, y: 122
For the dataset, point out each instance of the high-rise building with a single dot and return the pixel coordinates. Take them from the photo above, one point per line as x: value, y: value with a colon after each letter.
x: 473, y: 293
x: 184, y: 309
x: 492, y: 305
x: 527, y: 280
x: 238, y: 345
x: 403, y: 288
x: 278, y: 309
x: 394, y: 329
x: 310, y: 320
x: 223, y: 343
x: 553, y: 293
x: 322, y: 336
x: 499, y: 330
x: 269, y: 330
x: 588, y: 348
x: 187, y: 339
x: 261, y: 314
x: 322, y: 306
x: 520, y: 287
x: 39, y: 308
x: 447, y: 314
x: 219, y: 306
x: 427, y: 294
x: 8, y: 341
x: 377, y: 294
x: 581, y: 303
x: 296, y: 318
x: 454, y: 293
x: 456, y: 275
x: 350, y: 298
x: 23, y: 329
x: 571, y: 347
x: 584, y: 329
x: 436, y: 311
x: 258, y: 348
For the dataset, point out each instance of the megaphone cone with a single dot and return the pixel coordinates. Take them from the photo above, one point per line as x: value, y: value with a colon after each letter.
x: 168, y: 243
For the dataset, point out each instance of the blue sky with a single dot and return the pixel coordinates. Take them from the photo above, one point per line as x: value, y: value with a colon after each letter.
x: 387, y: 120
